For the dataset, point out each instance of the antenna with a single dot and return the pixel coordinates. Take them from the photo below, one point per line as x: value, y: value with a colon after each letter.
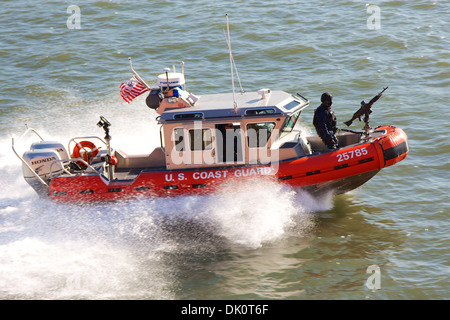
x: 182, y: 71
x: 234, y: 64
x: 166, y: 70
x: 231, y: 64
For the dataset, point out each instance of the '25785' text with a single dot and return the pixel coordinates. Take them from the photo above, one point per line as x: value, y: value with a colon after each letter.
x: 352, y: 154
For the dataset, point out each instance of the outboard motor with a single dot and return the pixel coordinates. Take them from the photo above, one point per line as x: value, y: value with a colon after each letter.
x: 57, y: 146
x: 43, y: 158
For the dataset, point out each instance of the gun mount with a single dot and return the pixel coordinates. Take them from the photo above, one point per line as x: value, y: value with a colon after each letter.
x: 365, y: 110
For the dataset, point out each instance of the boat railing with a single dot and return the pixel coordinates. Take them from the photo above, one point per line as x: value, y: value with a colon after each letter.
x: 21, y: 159
x: 298, y: 95
x: 66, y: 161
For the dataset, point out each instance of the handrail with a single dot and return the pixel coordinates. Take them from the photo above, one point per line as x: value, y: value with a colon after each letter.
x: 70, y: 160
x: 21, y: 159
x: 161, y: 136
x: 24, y: 162
x: 32, y: 130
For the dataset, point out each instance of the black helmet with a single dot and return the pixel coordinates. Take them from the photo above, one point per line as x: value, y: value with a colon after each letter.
x: 327, y: 99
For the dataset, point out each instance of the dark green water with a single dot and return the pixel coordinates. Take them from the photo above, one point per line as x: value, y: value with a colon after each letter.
x: 264, y: 242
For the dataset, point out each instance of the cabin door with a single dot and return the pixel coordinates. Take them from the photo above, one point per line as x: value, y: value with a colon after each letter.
x: 229, y: 143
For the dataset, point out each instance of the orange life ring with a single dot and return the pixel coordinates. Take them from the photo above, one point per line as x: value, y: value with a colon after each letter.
x: 90, y: 151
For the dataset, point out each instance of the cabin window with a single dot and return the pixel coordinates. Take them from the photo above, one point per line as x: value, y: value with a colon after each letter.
x: 290, y: 122
x: 179, y: 139
x: 259, y: 133
x: 185, y: 116
x: 291, y: 105
x: 257, y: 112
x: 200, y: 139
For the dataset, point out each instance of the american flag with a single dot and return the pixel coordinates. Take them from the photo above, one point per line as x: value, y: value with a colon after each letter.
x: 132, y: 88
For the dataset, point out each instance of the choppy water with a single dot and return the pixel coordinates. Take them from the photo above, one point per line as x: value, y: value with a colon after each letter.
x: 265, y: 242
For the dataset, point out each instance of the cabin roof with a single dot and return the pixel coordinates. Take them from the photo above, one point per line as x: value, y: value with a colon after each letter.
x: 249, y: 103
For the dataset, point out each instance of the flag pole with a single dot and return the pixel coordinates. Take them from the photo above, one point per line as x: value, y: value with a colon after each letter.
x: 136, y: 74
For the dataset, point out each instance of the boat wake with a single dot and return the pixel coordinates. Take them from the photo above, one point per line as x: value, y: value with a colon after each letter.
x: 132, y: 249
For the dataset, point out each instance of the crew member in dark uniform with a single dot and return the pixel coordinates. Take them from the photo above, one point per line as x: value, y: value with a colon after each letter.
x: 325, y: 122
